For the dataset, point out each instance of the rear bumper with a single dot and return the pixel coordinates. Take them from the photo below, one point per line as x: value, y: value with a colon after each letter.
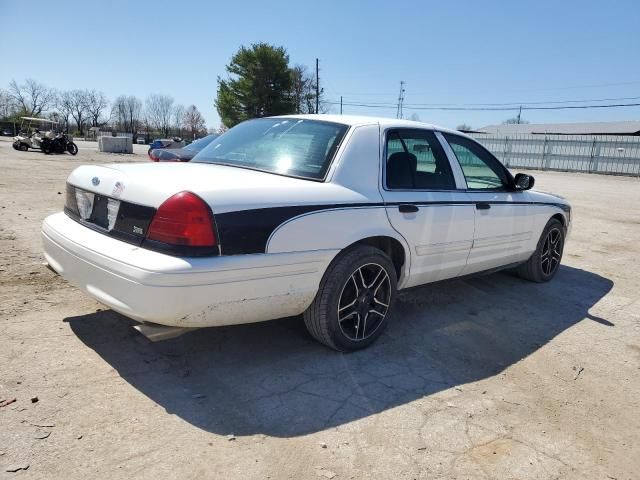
x: 149, y: 286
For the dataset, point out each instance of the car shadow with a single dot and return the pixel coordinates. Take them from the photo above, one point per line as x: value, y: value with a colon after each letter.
x: 273, y: 378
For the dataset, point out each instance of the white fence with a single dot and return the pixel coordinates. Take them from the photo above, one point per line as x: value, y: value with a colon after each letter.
x: 615, y: 155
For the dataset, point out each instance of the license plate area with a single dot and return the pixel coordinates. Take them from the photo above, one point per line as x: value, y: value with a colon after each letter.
x: 123, y: 220
x: 105, y: 212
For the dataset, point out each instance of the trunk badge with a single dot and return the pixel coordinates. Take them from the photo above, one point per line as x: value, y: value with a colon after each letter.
x: 95, y: 181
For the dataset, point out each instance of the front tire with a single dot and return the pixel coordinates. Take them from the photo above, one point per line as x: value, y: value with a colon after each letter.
x: 72, y: 148
x: 353, y: 302
x: 545, y: 261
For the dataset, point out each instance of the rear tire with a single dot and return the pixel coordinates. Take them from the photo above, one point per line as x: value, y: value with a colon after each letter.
x: 545, y: 261
x: 23, y: 147
x: 354, y: 300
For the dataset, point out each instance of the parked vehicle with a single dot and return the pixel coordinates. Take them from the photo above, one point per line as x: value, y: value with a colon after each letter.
x: 160, y: 143
x: 140, y: 141
x: 58, y: 143
x: 183, y: 154
x: 321, y: 215
x: 7, y: 132
x: 29, y: 137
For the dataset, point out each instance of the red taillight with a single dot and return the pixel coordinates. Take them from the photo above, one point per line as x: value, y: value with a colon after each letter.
x: 153, y: 156
x: 184, y: 219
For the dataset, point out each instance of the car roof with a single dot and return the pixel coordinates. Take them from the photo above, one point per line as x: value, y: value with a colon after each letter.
x: 359, y: 120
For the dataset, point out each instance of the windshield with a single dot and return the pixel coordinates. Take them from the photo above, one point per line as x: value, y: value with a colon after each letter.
x: 199, y: 144
x: 286, y: 146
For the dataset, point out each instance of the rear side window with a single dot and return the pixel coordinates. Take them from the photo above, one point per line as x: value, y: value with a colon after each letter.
x: 416, y: 161
x: 482, y: 171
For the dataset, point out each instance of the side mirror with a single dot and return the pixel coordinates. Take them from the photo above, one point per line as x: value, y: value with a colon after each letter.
x: 524, y: 181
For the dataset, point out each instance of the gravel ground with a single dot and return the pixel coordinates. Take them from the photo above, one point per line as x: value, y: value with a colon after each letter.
x: 491, y: 377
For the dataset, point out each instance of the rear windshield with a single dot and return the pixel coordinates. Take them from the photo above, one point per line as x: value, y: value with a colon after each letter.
x: 286, y: 146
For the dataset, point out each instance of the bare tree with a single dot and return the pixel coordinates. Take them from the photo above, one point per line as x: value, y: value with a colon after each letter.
x: 159, y: 110
x: 126, y: 113
x: 463, y: 127
x: 32, y: 97
x: 8, y: 106
x: 414, y: 117
x: 78, y: 107
x: 96, y: 103
x: 303, y: 91
x: 64, y: 107
x: 178, y: 118
x: 194, y: 121
x: 300, y: 88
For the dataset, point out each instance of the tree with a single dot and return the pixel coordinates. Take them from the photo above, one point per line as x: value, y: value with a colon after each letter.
x: 96, y: 103
x: 159, y: 110
x: 77, y: 101
x: 178, y: 119
x: 64, y: 107
x: 32, y: 97
x: 193, y: 121
x: 8, y: 106
x: 463, y: 127
x: 303, y: 91
x: 258, y: 85
x: 414, y: 117
x: 126, y: 113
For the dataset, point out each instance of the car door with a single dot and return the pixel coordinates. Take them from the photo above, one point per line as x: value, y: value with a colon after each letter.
x: 425, y: 206
x: 503, y: 222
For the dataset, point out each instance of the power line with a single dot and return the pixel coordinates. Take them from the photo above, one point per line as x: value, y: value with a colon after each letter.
x: 513, y: 105
x: 615, y: 99
x: 572, y: 87
x: 513, y: 108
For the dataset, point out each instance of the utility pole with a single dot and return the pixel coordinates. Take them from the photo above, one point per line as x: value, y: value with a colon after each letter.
x: 340, y: 104
x: 519, y: 114
x: 400, y: 100
x: 317, y: 87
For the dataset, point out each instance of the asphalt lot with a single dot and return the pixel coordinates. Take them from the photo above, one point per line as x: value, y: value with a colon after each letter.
x: 491, y: 377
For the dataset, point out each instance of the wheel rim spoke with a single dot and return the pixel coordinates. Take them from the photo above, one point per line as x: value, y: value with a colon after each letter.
x: 364, y: 302
x: 348, y: 305
x: 551, y: 252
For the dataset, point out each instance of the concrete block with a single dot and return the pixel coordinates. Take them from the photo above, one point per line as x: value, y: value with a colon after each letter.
x: 115, y: 144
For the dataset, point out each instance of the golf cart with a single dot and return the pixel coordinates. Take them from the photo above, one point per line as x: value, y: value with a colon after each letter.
x: 28, y: 138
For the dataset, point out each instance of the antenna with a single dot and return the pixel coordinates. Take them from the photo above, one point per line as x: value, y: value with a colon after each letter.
x: 400, y: 100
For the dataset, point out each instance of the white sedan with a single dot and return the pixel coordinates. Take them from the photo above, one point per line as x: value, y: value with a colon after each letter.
x: 321, y: 215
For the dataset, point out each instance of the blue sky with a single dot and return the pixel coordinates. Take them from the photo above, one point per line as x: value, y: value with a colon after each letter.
x: 458, y: 52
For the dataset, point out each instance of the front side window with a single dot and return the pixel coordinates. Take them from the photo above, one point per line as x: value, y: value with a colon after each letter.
x: 286, y: 146
x: 481, y: 170
x: 416, y: 160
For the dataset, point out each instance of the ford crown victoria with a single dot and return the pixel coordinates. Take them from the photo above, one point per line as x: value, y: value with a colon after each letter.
x: 324, y: 216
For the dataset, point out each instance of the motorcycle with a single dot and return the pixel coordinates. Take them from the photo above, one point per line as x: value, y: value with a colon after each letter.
x: 58, y: 144
x: 28, y: 138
